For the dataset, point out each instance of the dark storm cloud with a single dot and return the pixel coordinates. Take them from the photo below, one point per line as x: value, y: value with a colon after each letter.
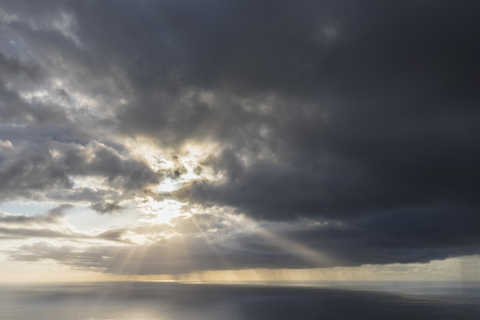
x: 13, y: 67
x: 364, y: 113
x: 390, y: 126
x: 367, y: 86
x: 29, y: 171
x: 15, y: 108
x: 97, y: 159
x: 32, y: 172
x: 404, y: 236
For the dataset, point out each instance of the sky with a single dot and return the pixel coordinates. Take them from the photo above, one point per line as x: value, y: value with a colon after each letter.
x: 239, y: 140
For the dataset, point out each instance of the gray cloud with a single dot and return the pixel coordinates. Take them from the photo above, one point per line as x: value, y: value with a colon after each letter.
x: 27, y: 172
x: 79, y: 194
x: 51, y: 216
x: 107, y: 207
x: 49, y: 225
x: 364, y: 114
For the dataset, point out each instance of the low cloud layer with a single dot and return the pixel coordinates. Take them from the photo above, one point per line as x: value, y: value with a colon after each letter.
x: 343, y: 128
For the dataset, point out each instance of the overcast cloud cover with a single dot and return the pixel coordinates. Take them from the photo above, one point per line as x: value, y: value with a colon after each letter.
x: 245, y: 134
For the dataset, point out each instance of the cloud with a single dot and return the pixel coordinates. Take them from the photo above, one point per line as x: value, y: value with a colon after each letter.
x: 49, y: 225
x: 28, y: 172
x: 51, y: 216
x: 107, y: 207
x: 223, y: 242
x: 360, y: 115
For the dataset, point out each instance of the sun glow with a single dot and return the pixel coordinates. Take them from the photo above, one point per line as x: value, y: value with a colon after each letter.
x: 168, y: 185
x: 160, y: 211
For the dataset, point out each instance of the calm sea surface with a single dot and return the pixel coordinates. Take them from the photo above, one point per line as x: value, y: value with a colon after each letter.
x: 155, y: 300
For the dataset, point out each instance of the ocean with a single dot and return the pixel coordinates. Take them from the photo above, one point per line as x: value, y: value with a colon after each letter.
x: 185, y: 301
